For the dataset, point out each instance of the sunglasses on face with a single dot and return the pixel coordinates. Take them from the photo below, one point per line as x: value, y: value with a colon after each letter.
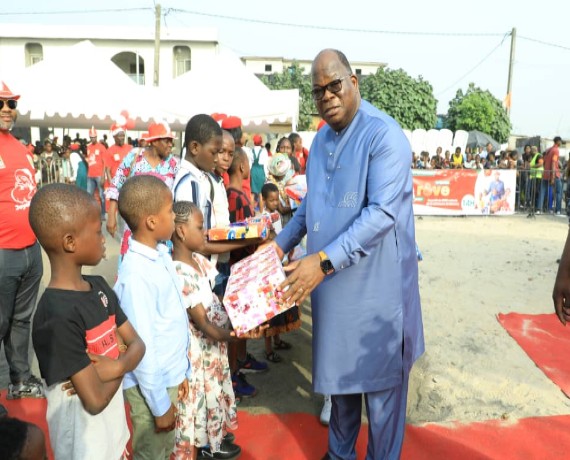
x: 12, y: 104
x: 334, y: 87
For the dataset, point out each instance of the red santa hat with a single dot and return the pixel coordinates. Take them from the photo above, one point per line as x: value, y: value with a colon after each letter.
x: 231, y: 122
x: 219, y: 117
x: 92, y: 132
x: 5, y: 93
x: 116, y: 129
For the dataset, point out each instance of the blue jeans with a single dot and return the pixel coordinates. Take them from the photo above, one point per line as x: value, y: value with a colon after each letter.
x: 21, y: 271
x: 544, y: 191
x: 97, y: 183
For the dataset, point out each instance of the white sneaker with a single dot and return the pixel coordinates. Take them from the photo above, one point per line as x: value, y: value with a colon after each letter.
x: 326, y: 410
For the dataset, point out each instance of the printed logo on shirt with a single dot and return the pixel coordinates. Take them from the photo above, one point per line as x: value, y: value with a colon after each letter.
x: 24, y: 189
x: 349, y: 200
x: 102, y: 339
x: 104, y: 299
x: 316, y: 226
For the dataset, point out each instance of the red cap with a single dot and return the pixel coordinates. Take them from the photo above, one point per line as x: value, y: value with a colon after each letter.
x: 74, y: 146
x: 159, y: 131
x: 257, y: 140
x: 5, y: 93
x: 231, y: 122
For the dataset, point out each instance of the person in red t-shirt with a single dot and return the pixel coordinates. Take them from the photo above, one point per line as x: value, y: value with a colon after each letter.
x: 115, y: 154
x: 96, y: 153
x: 21, y: 265
x: 551, y: 176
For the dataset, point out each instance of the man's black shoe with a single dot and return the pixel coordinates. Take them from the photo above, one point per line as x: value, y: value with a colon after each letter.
x: 3, y: 411
x: 228, y: 451
x: 229, y: 437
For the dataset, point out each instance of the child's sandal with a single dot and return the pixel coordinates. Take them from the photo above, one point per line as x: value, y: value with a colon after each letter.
x: 273, y: 357
x: 282, y: 345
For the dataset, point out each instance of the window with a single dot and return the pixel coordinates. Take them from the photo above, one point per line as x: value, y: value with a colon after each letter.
x: 132, y: 64
x: 358, y: 71
x: 182, y: 60
x: 268, y: 67
x: 34, y: 53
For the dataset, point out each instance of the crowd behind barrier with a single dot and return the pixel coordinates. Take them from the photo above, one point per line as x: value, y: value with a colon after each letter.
x: 538, y: 190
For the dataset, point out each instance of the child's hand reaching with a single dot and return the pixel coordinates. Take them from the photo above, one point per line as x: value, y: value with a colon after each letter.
x: 183, y: 390
x: 255, y: 333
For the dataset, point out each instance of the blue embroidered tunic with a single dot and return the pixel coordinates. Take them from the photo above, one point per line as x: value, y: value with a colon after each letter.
x: 367, y: 324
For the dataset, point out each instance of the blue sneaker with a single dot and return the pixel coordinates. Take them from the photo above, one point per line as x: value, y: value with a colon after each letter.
x: 242, y: 389
x: 252, y: 365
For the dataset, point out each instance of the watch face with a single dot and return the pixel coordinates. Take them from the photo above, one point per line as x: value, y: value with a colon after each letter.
x: 327, y: 266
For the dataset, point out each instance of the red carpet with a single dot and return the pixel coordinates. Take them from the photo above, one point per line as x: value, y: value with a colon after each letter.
x: 301, y: 437
x: 540, y: 336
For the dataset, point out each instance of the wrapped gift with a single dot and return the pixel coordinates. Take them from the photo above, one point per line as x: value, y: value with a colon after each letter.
x: 266, y: 218
x: 238, y: 231
x: 251, y: 296
x: 296, y: 189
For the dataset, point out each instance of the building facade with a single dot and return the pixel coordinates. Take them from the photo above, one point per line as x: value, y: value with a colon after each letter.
x: 260, y: 65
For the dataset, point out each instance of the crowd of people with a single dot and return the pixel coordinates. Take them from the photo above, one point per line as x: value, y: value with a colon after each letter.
x: 542, y: 179
x: 160, y: 338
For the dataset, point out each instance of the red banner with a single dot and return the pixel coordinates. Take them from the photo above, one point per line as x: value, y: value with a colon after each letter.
x: 459, y: 192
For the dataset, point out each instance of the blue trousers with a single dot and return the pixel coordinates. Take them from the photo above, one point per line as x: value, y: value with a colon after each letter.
x: 20, y: 275
x: 97, y: 183
x: 386, y: 412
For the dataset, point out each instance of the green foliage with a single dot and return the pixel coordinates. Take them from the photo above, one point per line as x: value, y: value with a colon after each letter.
x: 293, y: 78
x: 480, y: 110
x: 409, y: 101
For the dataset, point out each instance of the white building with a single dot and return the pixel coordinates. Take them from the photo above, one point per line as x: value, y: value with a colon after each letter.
x: 260, y: 65
x: 130, y: 48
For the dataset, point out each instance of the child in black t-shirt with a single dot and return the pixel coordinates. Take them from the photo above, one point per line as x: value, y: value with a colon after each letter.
x: 80, y: 334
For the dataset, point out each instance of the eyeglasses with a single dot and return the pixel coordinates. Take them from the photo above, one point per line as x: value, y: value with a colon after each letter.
x: 334, y: 87
x: 12, y: 104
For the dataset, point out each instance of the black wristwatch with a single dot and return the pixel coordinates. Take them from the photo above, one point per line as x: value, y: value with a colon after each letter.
x: 326, y: 265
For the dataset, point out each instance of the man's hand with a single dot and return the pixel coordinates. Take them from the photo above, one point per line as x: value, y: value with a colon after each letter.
x: 305, y: 275
x: 166, y: 422
x: 69, y: 388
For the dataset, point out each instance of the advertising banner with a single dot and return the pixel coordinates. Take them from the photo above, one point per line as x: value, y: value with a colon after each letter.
x: 461, y: 192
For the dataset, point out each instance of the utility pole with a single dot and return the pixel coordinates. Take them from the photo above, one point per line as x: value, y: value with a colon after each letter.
x: 511, y: 65
x: 157, y: 16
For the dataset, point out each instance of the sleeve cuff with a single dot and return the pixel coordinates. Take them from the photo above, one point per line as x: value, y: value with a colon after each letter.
x: 337, y: 256
x: 159, y: 404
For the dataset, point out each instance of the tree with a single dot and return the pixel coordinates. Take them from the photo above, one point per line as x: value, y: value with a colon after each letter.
x: 293, y: 78
x: 479, y: 110
x: 409, y: 101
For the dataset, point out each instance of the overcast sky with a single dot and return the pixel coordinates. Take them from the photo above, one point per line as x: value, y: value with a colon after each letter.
x: 476, y: 49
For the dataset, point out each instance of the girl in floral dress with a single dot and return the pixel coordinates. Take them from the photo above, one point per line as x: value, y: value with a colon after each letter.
x: 209, y: 411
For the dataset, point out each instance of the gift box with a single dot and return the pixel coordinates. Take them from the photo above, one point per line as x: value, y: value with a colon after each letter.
x: 266, y: 218
x: 251, y: 296
x: 238, y: 231
x: 297, y: 189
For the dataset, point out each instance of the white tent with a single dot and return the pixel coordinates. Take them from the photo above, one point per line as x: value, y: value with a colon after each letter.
x: 224, y: 85
x: 78, y: 88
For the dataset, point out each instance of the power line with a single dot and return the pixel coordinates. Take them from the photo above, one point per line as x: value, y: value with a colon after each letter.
x: 541, y: 42
x: 37, y: 13
x: 336, y: 29
x: 476, y: 66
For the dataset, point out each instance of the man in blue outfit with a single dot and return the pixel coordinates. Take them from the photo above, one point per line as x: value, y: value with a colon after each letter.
x: 361, y: 269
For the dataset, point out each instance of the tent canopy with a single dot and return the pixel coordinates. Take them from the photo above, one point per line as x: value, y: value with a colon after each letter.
x: 80, y: 98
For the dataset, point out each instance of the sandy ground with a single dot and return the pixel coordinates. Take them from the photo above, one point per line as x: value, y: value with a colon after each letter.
x: 473, y: 269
